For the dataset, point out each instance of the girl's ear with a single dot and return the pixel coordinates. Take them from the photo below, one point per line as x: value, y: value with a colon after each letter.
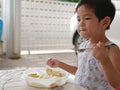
x: 106, y: 22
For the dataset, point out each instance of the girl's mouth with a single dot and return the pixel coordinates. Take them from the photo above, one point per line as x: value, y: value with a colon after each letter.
x: 83, y: 30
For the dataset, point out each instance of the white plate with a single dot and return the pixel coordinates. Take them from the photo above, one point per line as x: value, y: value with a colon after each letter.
x: 44, y: 83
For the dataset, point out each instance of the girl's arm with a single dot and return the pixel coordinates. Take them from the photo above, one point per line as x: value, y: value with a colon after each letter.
x: 69, y: 68
x: 56, y: 63
x: 112, y: 66
x: 110, y: 61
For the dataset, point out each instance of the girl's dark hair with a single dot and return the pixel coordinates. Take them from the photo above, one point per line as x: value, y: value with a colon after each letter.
x: 102, y: 8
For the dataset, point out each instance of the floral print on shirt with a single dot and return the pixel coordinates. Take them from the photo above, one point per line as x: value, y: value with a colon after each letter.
x: 90, y: 73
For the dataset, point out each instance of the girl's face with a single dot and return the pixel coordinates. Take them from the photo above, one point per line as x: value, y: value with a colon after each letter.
x: 88, y: 24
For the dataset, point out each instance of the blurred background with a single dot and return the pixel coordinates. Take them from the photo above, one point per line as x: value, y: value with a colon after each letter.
x: 43, y: 26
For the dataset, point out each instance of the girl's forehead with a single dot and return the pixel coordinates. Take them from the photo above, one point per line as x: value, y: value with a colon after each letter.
x: 83, y: 9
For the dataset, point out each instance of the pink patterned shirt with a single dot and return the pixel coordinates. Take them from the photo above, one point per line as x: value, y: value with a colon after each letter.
x: 90, y: 73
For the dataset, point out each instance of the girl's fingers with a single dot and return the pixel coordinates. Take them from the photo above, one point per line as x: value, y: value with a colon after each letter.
x: 100, y: 45
x: 50, y: 62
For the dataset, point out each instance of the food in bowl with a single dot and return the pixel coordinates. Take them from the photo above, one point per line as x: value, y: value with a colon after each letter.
x: 45, y: 77
x: 54, y: 73
x: 49, y: 73
x: 35, y: 75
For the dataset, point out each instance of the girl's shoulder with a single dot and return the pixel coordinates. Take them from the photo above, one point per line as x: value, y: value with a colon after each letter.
x: 114, y: 55
x: 112, y: 45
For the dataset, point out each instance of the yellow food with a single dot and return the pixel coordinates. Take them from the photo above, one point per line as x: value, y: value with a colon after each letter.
x: 53, y: 85
x: 34, y: 75
x: 49, y: 73
x: 58, y: 74
x: 54, y: 73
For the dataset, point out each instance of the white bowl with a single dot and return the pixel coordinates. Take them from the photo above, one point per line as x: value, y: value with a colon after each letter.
x: 50, y: 82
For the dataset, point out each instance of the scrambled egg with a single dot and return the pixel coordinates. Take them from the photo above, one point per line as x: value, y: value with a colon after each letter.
x: 35, y: 75
x: 54, y: 73
x: 49, y: 72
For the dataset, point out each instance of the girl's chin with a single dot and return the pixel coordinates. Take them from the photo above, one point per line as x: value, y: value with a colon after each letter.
x: 84, y: 36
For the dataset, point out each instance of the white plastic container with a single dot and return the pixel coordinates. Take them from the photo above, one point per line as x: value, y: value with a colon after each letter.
x: 44, y: 83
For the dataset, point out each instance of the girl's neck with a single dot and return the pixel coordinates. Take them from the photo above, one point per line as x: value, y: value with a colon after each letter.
x: 101, y: 39
x: 92, y: 43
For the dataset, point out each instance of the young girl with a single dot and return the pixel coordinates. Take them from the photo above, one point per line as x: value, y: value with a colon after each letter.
x: 98, y: 68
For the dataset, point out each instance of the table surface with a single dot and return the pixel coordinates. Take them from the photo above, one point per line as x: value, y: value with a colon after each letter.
x: 11, y: 80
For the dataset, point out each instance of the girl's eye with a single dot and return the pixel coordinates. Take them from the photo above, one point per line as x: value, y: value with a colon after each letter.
x: 87, y: 18
x: 78, y: 20
x: 83, y: 19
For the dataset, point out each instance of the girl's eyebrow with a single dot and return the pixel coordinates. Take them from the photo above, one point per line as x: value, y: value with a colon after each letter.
x: 84, y: 15
x: 87, y: 15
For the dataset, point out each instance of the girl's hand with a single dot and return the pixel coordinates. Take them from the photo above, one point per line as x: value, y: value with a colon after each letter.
x: 53, y: 63
x: 100, y: 52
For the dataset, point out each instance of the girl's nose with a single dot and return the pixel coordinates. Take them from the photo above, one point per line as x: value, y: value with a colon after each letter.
x: 81, y: 23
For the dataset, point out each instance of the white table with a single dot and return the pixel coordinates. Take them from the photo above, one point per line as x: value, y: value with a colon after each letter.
x: 11, y: 80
